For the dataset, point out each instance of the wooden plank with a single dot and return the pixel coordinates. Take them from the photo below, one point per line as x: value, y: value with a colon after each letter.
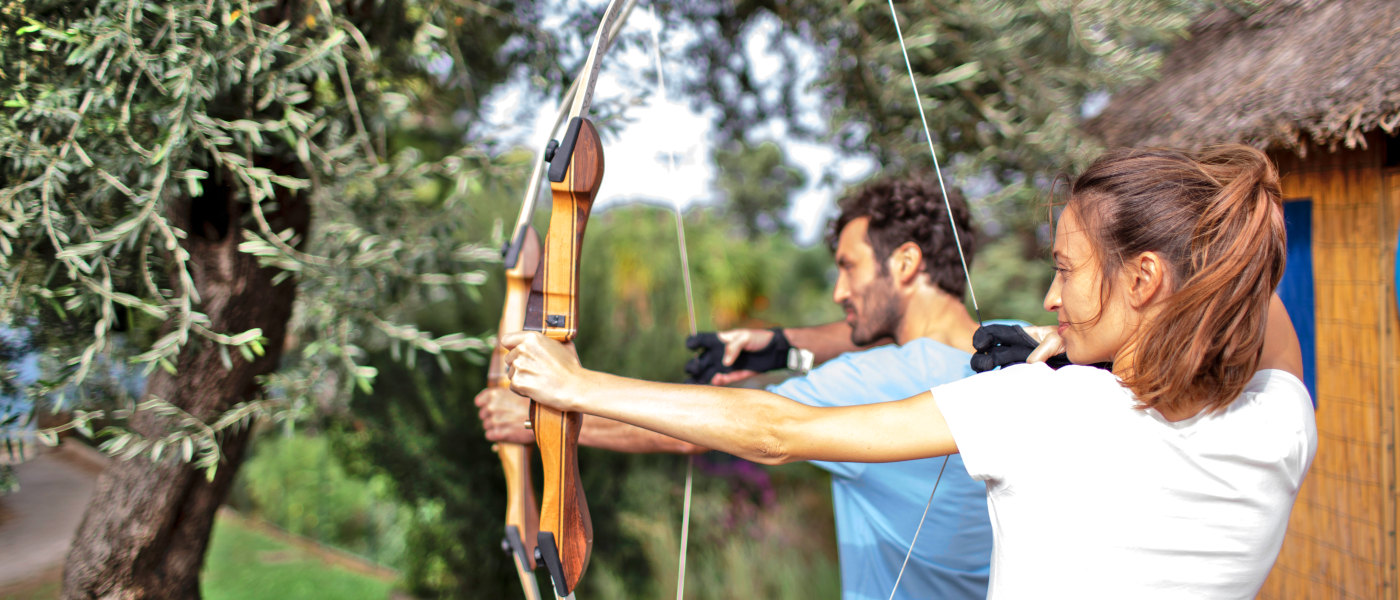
x: 1390, y: 386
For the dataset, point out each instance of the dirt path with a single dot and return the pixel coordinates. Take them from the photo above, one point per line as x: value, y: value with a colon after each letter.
x: 38, y: 521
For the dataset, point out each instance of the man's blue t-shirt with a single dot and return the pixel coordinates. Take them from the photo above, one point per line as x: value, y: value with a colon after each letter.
x: 878, y: 505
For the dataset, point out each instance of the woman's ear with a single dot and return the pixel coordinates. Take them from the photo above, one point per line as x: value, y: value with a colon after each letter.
x: 1147, y: 278
x: 906, y: 262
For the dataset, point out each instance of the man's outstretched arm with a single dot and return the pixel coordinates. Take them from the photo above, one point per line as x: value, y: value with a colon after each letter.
x: 824, y: 342
x: 503, y: 415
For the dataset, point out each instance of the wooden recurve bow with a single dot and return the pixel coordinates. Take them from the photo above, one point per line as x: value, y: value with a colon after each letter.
x: 576, y: 170
x: 522, y: 257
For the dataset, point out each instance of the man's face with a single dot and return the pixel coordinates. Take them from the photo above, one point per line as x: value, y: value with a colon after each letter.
x: 863, y: 288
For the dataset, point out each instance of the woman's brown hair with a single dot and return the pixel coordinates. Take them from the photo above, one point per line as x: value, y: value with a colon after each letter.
x: 1217, y: 219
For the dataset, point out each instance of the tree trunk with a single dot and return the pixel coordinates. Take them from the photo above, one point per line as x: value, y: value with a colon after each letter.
x: 146, y: 530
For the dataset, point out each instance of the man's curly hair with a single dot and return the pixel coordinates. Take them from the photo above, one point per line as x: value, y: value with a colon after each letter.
x: 911, y: 210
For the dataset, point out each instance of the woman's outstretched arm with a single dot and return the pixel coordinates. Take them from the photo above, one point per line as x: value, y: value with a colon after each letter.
x: 752, y: 424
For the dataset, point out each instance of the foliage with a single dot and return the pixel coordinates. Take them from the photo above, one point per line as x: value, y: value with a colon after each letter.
x: 247, y: 564
x: 118, y: 115
x: 751, y: 535
x: 419, y: 428
x: 296, y: 483
x: 757, y: 185
x: 422, y: 431
x: 1003, y: 83
x: 633, y: 307
x: 1012, y: 285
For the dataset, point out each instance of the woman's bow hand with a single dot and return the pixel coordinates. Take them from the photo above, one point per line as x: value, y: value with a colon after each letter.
x: 1002, y: 345
x: 541, y: 369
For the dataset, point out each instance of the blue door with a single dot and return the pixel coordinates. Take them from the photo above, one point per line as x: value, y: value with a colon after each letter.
x: 1296, y: 289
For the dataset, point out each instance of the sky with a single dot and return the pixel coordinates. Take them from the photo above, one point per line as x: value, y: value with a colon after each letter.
x: 663, y: 123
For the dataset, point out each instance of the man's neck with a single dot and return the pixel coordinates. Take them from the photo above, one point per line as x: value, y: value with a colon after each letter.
x: 936, y: 315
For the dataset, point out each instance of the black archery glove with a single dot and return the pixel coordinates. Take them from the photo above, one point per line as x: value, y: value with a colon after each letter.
x: 1003, y: 345
x: 708, y: 362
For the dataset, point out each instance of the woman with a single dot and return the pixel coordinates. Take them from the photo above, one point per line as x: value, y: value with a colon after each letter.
x: 1183, y: 462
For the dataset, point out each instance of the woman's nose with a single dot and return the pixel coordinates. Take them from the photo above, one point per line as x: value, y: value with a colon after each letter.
x: 1052, y: 295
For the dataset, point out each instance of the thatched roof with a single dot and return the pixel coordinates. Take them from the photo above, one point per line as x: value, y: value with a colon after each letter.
x: 1293, y: 71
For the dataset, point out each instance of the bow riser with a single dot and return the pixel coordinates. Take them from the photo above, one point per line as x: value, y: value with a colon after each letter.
x: 566, y: 530
x: 553, y: 306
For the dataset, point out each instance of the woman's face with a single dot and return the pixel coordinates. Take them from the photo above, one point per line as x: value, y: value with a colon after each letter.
x: 1094, y: 330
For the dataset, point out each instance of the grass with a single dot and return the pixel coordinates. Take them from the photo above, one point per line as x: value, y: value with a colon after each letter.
x: 247, y: 562
x: 45, y: 586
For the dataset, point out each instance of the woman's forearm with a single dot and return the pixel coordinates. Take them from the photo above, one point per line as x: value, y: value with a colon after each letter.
x: 767, y: 428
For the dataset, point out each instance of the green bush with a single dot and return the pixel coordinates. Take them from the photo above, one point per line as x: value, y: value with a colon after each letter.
x: 296, y: 483
x: 754, y: 533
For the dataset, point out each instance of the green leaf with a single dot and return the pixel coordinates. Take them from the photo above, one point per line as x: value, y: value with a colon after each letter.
x: 32, y: 27
x: 115, y: 445
x: 365, y: 384
x: 160, y: 152
x: 956, y: 74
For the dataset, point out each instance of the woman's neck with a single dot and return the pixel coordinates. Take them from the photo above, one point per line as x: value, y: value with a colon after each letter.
x: 1123, y: 364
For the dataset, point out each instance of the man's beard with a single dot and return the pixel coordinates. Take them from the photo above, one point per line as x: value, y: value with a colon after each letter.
x: 880, y: 317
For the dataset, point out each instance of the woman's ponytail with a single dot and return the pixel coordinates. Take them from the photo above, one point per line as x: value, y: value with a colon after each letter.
x: 1217, y: 218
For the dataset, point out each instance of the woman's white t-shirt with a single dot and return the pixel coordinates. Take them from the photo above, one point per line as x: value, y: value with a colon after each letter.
x: 1092, y: 498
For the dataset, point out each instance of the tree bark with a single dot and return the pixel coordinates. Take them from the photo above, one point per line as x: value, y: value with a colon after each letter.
x: 145, y: 532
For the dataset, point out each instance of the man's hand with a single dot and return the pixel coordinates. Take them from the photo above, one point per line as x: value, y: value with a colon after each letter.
x: 503, y: 415
x: 736, y: 354
x: 1002, y: 345
x: 542, y: 369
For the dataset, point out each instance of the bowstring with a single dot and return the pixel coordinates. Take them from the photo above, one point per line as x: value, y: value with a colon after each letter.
x: 689, y: 297
x: 928, y: 137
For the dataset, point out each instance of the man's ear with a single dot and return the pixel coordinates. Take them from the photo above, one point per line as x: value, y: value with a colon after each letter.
x: 1147, y: 278
x: 906, y: 262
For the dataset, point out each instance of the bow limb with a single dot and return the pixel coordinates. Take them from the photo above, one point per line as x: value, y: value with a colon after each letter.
x: 522, y: 514
x: 532, y: 189
x: 575, y: 174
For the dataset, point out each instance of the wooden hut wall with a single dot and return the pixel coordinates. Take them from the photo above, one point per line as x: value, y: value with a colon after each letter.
x: 1341, y: 539
x: 1392, y: 363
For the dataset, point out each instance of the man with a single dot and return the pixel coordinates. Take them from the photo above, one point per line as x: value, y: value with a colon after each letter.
x: 900, y: 280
